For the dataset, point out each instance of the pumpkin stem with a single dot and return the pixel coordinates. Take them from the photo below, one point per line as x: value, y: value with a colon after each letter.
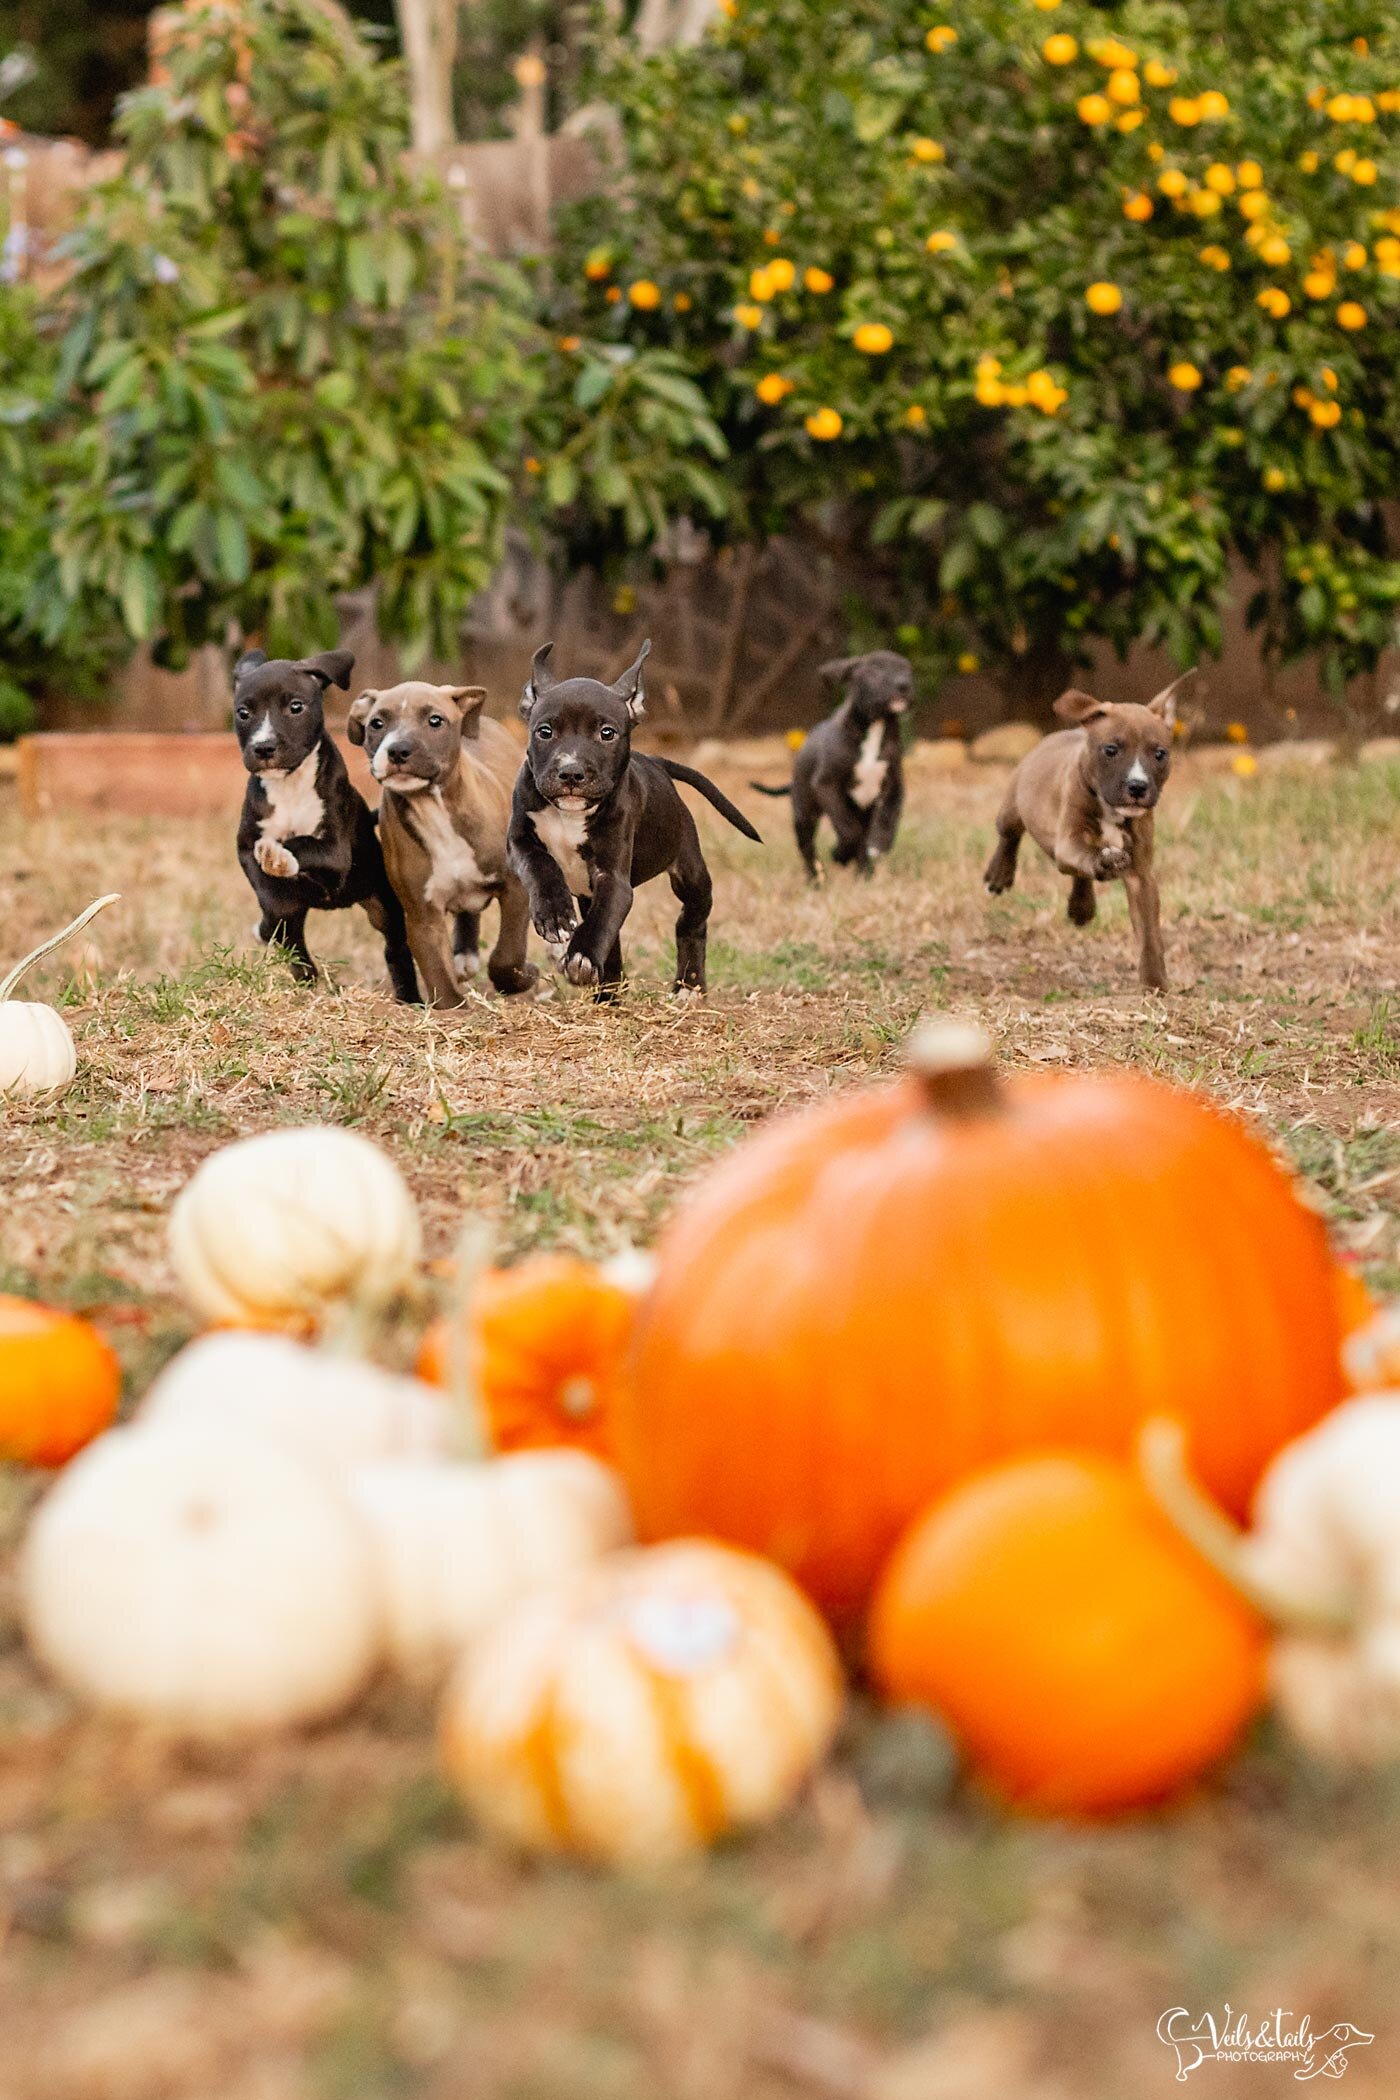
x: 1220, y: 1541
x: 955, y: 1064
x: 7, y: 984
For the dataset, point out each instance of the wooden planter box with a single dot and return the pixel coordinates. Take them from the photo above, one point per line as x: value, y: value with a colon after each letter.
x: 143, y: 773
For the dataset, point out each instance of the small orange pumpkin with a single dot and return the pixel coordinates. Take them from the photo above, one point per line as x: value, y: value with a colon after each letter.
x: 1086, y: 1657
x: 59, y: 1383
x: 1356, y: 1308
x: 548, y: 1349
x: 868, y: 1302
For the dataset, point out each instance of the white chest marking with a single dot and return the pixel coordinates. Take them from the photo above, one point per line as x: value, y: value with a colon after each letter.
x: 562, y: 832
x: 455, y: 880
x: 294, y: 809
x: 870, y: 768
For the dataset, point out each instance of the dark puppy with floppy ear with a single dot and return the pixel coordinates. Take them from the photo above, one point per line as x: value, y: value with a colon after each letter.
x: 851, y: 769
x: 306, y: 840
x: 592, y: 818
x: 1086, y: 795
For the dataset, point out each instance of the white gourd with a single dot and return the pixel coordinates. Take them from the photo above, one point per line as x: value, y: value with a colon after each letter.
x: 278, y: 1227
x: 200, y: 1581
x: 644, y: 1706
x: 37, y: 1051
x: 332, y: 1410
x: 458, y: 1544
x: 1324, y: 1551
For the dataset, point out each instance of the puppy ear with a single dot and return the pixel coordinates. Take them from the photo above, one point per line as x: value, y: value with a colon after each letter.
x: 359, y: 715
x: 332, y: 667
x: 1077, y: 708
x: 838, y: 670
x: 628, y: 687
x: 470, y: 700
x: 249, y: 661
x: 540, y: 680
x: 1165, y: 702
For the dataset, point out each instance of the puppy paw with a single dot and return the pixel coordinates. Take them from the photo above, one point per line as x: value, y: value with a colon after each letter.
x: 276, y: 860
x: 580, y: 968
x: 556, y: 935
x: 1113, y: 860
x: 466, y: 964
x: 687, y: 994
x: 512, y: 984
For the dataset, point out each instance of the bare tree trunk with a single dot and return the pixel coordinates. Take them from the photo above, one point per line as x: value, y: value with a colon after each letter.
x: 429, y: 32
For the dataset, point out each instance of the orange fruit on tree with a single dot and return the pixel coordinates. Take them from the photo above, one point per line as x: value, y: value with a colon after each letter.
x: 59, y: 1383
x: 1082, y: 1652
x: 873, y: 1299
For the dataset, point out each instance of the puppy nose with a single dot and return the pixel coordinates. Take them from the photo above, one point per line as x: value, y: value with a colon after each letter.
x: 569, y: 773
x: 1137, y: 789
x: 262, y: 746
x: 396, y: 750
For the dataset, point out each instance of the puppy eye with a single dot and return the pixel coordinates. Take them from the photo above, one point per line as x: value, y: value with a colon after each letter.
x: 544, y: 732
x: 296, y: 707
x: 244, y: 714
x: 607, y: 732
x: 435, y: 721
x: 376, y: 721
x: 1111, y: 750
x: 1159, y: 754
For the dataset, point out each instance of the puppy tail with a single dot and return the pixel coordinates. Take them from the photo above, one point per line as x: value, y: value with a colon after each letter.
x: 760, y: 789
x: 712, y: 795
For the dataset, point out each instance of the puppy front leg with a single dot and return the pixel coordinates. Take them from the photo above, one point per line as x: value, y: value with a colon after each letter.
x: 586, y: 959
x: 884, y: 818
x: 1076, y: 855
x: 429, y: 938
x: 551, y: 906
x: 848, y: 825
x: 1145, y: 911
x: 509, y: 970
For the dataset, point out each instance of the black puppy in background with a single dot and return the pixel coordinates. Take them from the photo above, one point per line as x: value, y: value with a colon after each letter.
x: 307, y: 840
x: 851, y: 768
x: 592, y: 819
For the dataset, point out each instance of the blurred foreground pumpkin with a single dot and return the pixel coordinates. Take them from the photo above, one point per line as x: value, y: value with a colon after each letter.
x: 547, y: 1345
x: 1084, y: 1655
x: 645, y: 1705
x: 59, y: 1383
x: 870, y: 1301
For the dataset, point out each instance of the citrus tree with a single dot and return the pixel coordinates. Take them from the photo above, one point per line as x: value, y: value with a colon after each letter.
x: 1049, y: 307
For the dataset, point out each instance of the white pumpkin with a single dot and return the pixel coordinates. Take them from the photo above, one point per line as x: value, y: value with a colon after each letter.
x: 1323, y: 1557
x: 201, y: 1581
x: 644, y: 1706
x: 276, y: 1228
x: 37, y: 1051
x: 333, y: 1410
x: 458, y: 1544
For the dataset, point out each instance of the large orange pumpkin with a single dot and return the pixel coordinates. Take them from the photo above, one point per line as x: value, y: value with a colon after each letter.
x: 548, y: 1344
x: 59, y: 1383
x: 869, y: 1301
x: 1082, y: 1652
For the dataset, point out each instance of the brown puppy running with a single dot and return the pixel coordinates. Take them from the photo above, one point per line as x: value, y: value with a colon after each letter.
x: 447, y: 777
x: 1086, y: 796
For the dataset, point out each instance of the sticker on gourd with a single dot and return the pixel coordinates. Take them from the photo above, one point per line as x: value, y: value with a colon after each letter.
x: 682, y: 1636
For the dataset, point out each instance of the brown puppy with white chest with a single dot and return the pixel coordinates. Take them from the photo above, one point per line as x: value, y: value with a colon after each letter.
x: 1086, y: 796
x: 447, y: 776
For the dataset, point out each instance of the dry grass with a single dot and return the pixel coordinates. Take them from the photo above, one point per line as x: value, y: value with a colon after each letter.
x: 316, y: 1919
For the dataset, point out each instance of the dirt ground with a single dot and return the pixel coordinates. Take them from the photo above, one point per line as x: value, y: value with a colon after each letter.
x: 315, y: 1920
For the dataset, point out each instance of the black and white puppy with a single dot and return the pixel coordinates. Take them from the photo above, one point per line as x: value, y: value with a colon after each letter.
x: 307, y: 840
x: 851, y: 768
x: 592, y: 819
